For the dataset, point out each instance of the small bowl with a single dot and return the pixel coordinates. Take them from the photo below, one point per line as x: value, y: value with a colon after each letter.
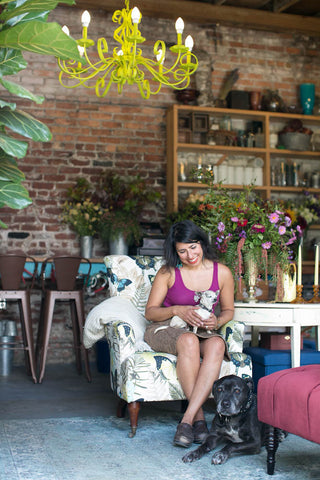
x: 295, y: 141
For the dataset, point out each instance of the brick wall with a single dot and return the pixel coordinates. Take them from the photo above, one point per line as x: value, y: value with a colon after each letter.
x: 125, y: 133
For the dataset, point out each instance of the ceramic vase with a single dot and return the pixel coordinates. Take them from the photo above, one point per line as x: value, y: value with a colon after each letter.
x: 86, y: 246
x: 255, y: 100
x: 307, y: 97
x: 118, y: 246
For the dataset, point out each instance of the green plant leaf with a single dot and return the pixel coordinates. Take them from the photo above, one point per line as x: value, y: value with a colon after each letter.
x: 14, y: 195
x: 23, y: 123
x: 20, y: 91
x: 3, y: 103
x: 11, y: 61
x: 40, y: 37
x: 9, y: 170
x: 29, y: 10
x: 12, y: 146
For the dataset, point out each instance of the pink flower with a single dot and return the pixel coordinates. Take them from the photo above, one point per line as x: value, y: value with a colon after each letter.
x: 234, y: 219
x: 273, y: 217
x: 287, y: 220
x: 258, y: 228
x: 221, y: 227
x: 282, y: 230
x: 266, y: 245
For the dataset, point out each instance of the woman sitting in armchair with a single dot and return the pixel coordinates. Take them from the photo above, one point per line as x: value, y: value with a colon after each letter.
x: 180, y: 325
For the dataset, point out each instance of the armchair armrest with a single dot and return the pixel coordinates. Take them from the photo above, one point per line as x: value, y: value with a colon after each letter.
x: 121, y: 340
x: 233, y: 333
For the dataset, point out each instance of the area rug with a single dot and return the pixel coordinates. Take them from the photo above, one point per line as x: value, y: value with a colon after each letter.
x: 99, y: 449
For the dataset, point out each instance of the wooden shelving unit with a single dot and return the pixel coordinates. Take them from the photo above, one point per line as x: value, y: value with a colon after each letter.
x: 189, y: 138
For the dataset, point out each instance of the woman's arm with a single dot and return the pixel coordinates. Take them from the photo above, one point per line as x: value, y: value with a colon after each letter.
x: 226, y: 284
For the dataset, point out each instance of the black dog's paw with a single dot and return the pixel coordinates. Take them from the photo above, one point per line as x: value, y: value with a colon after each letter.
x: 190, y: 457
x: 219, y: 458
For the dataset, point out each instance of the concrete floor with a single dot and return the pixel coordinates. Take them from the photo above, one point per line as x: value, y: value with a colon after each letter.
x: 63, y: 393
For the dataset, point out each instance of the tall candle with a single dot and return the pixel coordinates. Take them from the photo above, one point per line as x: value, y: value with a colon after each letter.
x: 316, y: 266
x: 300, y: 264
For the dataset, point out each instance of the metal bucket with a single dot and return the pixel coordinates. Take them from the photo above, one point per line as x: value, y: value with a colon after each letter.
x: 6, y: 355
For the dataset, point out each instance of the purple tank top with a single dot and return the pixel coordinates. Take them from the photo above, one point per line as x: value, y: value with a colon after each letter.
x: 179, y: 294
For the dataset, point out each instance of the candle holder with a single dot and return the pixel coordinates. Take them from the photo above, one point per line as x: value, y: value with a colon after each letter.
x: 315, y: 298
x: 299, y: 298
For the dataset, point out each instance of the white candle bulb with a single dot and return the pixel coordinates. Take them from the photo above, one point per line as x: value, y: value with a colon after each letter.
x: 159, y: 55
x: 85, y: 19
x: 316, y: 266
x: 179, y: 25
x: 189, y: 43
x: 81, y: 50
x: 300, y: 264
x: 66, y: 30
x: 135, y: 15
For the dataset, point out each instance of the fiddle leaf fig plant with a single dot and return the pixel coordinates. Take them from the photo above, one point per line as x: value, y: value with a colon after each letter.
x: 24, y: 26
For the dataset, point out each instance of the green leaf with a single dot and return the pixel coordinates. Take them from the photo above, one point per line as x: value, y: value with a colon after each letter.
x: 12, y: 146
x: 29, y: 10
x: 11, y: 61
x: 20, y: 91
x: 14, y: 195
x: 43, y: 38
x: 9, y: 170
x: 23, y: 123
x: 3, y: 103
x: 2, y: 225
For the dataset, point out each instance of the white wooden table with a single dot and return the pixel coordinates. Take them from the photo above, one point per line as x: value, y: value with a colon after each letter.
x: 293, y: 315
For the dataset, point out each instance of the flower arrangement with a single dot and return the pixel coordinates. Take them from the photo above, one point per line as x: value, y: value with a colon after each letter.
x: 124, y: 199
x: 80, y: 210
x: 245, y: 228
x: 304, y: 212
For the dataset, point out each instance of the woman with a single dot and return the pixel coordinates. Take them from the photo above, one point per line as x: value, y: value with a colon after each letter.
x: 190, y: 269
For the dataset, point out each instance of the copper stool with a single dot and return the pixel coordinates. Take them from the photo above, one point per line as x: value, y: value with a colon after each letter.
x: 63, y: 287
x: 11, y: 273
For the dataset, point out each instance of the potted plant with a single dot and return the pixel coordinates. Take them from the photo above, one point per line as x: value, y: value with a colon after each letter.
x: 254, y: 237
x: 123, y: 200
x: 83, y: 214
x: 24, y: 27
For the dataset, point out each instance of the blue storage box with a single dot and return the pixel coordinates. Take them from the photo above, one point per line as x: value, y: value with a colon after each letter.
x: 265, y: 361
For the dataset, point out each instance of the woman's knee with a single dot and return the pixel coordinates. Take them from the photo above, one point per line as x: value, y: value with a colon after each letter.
x: 188, y: 342
x: 214, y: 346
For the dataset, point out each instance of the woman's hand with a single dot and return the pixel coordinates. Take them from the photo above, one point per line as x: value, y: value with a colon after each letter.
x: 189, y: 314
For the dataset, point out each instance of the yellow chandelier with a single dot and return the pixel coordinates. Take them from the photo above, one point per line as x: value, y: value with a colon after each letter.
x: 127, y: 65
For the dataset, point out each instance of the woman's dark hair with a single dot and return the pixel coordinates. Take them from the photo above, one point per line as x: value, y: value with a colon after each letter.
x: 186, y: 232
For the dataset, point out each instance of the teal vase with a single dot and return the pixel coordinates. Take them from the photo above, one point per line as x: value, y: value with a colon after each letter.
x: 307, y: 97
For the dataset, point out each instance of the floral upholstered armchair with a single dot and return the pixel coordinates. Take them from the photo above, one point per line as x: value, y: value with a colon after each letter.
x: 138, y: 374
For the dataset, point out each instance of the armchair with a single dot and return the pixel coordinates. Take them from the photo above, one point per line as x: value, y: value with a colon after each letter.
x: 138, y: 374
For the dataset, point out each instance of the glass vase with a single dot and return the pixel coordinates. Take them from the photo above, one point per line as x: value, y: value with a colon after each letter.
x: 251, y: 275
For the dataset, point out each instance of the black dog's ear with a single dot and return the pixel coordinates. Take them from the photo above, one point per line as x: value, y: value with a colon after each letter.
x: 249, y: 382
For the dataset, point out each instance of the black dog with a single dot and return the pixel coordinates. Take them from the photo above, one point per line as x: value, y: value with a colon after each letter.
x: 235, y: 423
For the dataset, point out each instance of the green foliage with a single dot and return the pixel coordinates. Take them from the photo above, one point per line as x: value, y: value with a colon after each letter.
x: 24, y: 27
x: 124, y: 199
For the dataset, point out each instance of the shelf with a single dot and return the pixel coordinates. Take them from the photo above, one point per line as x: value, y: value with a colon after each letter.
x: 269, y: 155
x: 220, y: 148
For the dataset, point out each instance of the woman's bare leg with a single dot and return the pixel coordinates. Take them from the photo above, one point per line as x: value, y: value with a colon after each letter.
x: 197, y: 379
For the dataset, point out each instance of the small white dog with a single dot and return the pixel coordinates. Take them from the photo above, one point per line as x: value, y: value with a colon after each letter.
x: 206, y: 301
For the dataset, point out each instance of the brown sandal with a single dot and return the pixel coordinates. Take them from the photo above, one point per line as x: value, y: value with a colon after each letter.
x: 184, y: 435
x: 200, y: 431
